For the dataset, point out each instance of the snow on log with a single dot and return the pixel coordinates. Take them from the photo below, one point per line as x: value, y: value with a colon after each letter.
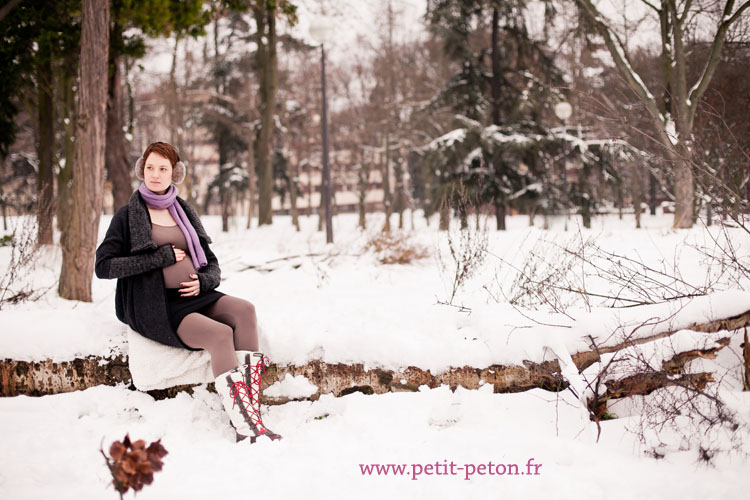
x: 36, y: 378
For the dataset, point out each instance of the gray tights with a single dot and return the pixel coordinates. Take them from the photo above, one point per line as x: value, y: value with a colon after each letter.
x: 226, y: 326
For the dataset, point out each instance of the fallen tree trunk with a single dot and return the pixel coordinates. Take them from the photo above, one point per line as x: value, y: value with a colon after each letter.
x: 647, y: 381
x: 586, y: 358
x: 47, y: 377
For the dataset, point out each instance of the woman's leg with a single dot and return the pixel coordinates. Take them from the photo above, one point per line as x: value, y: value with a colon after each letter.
x: 201, y: 332
x: 240, y: 315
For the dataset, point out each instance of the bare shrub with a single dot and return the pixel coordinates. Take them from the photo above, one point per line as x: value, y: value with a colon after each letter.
x: 724, y: 254
x: 468, y: 250
x: 676, y: 402
x: 580, y: 272
x: 395, y: 248
x: 546, y: 278
x: 693, y: 415
x: 23, y: 254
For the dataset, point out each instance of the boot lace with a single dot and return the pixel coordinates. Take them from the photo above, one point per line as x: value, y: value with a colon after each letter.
x: 249, y: 395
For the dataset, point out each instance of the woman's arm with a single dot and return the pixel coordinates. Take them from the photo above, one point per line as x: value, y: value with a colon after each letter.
x: 113, y: 261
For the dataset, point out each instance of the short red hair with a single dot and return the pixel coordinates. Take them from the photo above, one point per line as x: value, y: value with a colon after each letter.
x: 164, y: 149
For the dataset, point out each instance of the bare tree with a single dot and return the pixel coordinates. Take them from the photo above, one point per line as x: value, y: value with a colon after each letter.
x: 674, y: 123
x: 80, y: 234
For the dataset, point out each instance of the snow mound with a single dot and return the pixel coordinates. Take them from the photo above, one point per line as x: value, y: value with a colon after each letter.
x: 292, y: 387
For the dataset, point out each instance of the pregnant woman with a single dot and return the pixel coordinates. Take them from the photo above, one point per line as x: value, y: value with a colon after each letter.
x: 167, y: 276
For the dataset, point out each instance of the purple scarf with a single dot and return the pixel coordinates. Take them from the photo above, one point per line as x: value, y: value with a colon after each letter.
x: 168, y: 200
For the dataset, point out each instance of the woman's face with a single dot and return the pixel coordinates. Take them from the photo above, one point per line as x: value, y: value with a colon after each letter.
x: 157, y: 172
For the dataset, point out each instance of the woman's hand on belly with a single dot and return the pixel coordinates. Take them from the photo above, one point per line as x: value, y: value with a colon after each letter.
x: 192, y: 288
x: 178, y: 254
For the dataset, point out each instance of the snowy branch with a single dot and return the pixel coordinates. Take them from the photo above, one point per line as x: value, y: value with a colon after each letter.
x: 617, y: 50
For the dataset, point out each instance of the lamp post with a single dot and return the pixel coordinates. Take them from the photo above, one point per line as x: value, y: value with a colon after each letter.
x: 321, y: 32
x: 563, y: 110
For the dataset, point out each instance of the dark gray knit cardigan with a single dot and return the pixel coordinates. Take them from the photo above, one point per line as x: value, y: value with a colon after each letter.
x: 129, y: 254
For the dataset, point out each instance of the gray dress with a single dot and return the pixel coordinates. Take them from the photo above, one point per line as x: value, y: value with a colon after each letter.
x: 178, y: 307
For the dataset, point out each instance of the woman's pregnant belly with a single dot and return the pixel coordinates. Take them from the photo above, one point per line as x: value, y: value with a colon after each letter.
x: 179, y: 272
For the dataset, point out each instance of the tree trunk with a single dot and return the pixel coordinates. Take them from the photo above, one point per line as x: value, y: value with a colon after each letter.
x: 363, y: 177
x: 683, y: 193
x: 46, y: 116
x: 118, y: 169
x: 387, y: 183
x: 116, y: 157
x: 637, y: 195
x: 652, y: 193
x: 79, y: 241
x: 65, y: 173
x: 131, y: 97
x: 400, y: 198
x: 47, y: 377
x: 293, y: 195
x: 500, y: 215
x: 267, y: 64
x: 496, y: 83
x: 252, y: 188
x: 586, y: 195
x: 389, y: 122
x: 226, y: 201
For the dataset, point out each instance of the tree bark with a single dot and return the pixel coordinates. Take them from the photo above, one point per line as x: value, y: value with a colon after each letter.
x: 496, y: 84
x: 500, y: 215
x: 292, y: 185
x: 252, y: 188
x: 46, y: 117
x: 400, y: 200
x: 651, y: 193
x: 79, y: 240
x: 637, y: 195
x: 390, y: 111
x: 386, y: 174
x: 363, y: 175
x: 683, y: 193
x: 65, y: 173
x: 116, y: 157
x: 268, y: 69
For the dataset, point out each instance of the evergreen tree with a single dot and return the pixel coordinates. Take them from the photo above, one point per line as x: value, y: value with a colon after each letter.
x: 509, y: 94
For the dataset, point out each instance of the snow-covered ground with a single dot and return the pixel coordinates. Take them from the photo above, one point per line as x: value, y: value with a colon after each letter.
x: 338, y: 303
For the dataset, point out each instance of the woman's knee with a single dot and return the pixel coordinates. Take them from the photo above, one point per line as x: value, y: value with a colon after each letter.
x: 221, y: 336
x: 249, y: 308
x: 243, y: 307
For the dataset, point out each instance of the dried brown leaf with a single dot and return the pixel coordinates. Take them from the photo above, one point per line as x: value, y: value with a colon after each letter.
x: 116, y: 450
x: 156, y: 449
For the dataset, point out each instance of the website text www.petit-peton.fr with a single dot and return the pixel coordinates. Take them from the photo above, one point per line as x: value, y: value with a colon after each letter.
x: 445, y: 468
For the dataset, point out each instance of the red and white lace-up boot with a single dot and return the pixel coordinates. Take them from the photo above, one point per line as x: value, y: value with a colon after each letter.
x: 239, y: 389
